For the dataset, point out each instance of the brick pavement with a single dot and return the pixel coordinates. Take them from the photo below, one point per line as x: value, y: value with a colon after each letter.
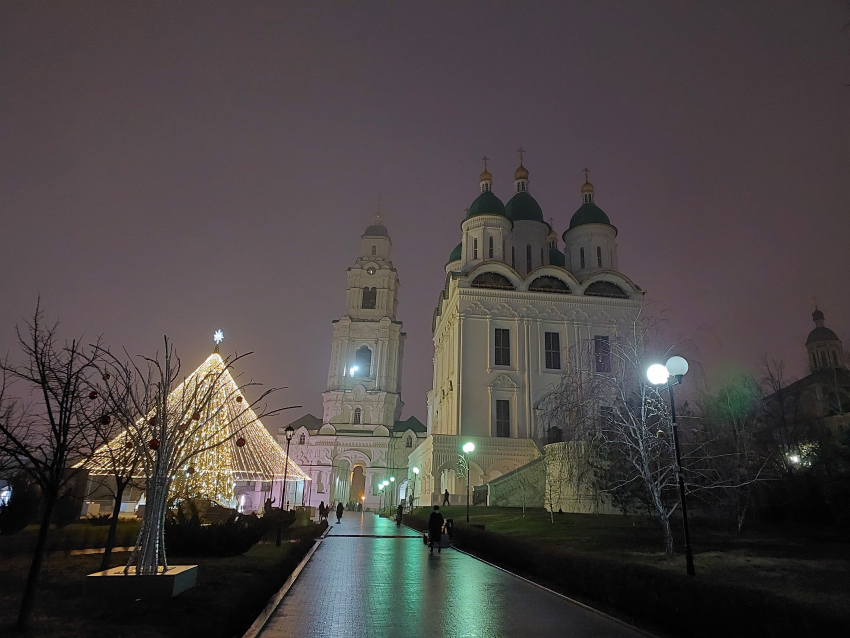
x: 374, y: 586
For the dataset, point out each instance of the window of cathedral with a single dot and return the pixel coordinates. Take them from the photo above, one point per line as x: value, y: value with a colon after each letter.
x: 599, y: 256
x: 475, y: 247
x: 602, y: 353
x: 357, y: 414
x: 587, y: 198
x: 503, y: 347
x: 492, y: 280
x: 552, y: 349
x: 605, y: 289
x: 549, y: 284
x: 528, y: 258
x: 541, y: 257
x: 581, y: 256
x: 513, y: 258
x: 363, y: 362
x: 491, y: 248
x: 409, y: 442
x: 370, y: 297
x: 374, y: 250
x: 503, y: 418
x: 503, y: 250
x: 302, y: 439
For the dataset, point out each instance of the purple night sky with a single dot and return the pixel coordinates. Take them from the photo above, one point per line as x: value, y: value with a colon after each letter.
x: 177, y: 168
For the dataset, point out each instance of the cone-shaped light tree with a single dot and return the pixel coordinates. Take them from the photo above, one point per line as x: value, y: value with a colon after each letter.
x: 190, y: 438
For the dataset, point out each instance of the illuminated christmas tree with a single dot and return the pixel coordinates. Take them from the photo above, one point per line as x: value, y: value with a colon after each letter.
x: 193, y: 441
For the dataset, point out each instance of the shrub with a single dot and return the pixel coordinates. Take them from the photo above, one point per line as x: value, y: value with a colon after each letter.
x: 101, y: 520
x: 186, y: 535
x: 22, y: 508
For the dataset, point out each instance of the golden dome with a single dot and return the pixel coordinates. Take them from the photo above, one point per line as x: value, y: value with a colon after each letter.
x: 486, y: 176
x: 521, y: 172
x: 587, y: 188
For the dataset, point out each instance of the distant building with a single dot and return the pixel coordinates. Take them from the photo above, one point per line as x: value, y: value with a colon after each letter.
x: 512, y: 307
x: 360, y: 440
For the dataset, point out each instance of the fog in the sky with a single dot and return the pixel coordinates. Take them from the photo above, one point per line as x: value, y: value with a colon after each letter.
x: 175, y: 168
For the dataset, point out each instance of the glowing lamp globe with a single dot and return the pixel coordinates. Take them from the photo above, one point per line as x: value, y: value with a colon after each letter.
x: 416, y: 470
x: 657, y: 374
x: 469, y: 447
x: 677, y: 366
x: 392, y: 479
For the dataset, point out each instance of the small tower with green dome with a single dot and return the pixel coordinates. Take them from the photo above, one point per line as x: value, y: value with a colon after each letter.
x: 590, y: 243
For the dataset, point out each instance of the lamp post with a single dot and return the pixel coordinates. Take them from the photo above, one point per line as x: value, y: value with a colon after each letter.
x: 381, y: 495
x: 392, y: 492
x: 467, y: 448
x: 413, y: 492
x: 676, y: 368
x: 289, y: 431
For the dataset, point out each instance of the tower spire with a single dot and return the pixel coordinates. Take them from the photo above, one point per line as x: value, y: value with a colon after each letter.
x: 586, y: 189
x: 486, y: 179
x: 521, y: 173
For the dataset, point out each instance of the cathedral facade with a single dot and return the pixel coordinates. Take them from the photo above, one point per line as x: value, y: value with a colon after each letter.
x: 360, y: 441
x: 512, y: 307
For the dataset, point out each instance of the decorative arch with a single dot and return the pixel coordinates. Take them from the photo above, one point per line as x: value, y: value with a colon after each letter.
x: 493, y: 280
x: 626, y: 287
x: 495, y: 267
x: 551, y: 284
x: 605, y: 289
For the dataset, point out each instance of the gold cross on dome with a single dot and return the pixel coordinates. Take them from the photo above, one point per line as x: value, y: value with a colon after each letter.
x: 486, y: 159
x: 586, y: 171
x: 521, y: 152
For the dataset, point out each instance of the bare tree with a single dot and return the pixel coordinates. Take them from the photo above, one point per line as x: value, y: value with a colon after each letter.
x: 51, y: 426
x: 169, y: 423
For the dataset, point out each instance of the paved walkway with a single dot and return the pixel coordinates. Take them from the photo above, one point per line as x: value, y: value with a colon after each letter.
x: 364, y: 582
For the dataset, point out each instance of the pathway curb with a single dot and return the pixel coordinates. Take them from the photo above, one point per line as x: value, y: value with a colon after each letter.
x: 259, y: 624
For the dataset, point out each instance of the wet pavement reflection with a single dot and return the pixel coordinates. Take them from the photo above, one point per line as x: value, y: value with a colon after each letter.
x: 363, y: 582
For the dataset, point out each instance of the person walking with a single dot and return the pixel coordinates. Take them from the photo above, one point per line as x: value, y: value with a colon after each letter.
x: 435, y: 529
x: 321, y: 511
x: 399, y: 512
x: 339, y: 510
x: 446, y: 498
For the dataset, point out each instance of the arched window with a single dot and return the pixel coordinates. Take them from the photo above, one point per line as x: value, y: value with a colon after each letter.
x: 581, y: 256
x: 491, y: 248
x: 541, y: 256
x: 486, y: 187
x: 503, y: 250
x: 549, y: 284
x: 513, y: 258
x: 599, y: 256
x: 475, y: 247
x: 492, y: 280
x: 605, y: 289
x: 363, y: 361
x: 302, y: 439
x: 409, y: 442
x: 587, y: 198
x: 370, y: 297
x: 374, y: 250
x: 528, y: 258
x: 357, y: 414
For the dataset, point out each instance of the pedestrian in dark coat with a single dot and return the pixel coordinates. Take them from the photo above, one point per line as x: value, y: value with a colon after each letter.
x: 399, y: 512
x: 446, y: 498
x: 435, y: 528
x: 339, y: 510
x: 321, y: 511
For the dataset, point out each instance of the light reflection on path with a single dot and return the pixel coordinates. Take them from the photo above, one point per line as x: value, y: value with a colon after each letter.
x: 375, y: 587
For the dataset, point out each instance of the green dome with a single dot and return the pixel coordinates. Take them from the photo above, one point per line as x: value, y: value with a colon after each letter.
x: 556, y: 257
x: 456, y: 253
x: 523, y: 206
x: 589, y: 213
x: 486, y: 204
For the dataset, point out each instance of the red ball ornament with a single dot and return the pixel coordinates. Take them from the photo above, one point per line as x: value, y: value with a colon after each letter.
x: 92, y: 395
x: 196, y: 415
x: 238, y: 399
x: 105, y: 419
x: 183, y: 426
x: 240, y: 442
x: 152, y: 421
x: 153, y: 444
x: 128, y: 445
x: 191, y: 470
x: 106, y: 376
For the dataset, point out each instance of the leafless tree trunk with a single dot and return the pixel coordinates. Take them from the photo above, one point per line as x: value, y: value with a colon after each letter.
x: 50, y: 429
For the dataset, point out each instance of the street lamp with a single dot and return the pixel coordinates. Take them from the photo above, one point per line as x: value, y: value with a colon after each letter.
x: 467, y: 448
x: 289, y: 432
x: 658, y: 374
x: 413, y: 492
x: 392, y: 493
x: 381, y: 495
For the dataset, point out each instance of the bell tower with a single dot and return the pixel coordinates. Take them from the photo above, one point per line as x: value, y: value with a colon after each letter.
x: 364, y: 377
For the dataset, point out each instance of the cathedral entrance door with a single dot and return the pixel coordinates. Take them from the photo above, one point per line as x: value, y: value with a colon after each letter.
x: 358, y: 484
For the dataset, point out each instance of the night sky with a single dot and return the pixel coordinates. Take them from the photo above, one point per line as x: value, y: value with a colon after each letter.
x: 174, y: 168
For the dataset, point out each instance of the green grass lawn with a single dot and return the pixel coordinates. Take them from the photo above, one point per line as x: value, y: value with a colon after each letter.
x: 228, y: 597
x: 809, y: 565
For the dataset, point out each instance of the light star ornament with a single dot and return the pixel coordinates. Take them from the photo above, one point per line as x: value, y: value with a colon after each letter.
x: 218, y: 336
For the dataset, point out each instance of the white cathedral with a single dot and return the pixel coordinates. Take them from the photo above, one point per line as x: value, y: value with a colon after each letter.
x: 512, y: 306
